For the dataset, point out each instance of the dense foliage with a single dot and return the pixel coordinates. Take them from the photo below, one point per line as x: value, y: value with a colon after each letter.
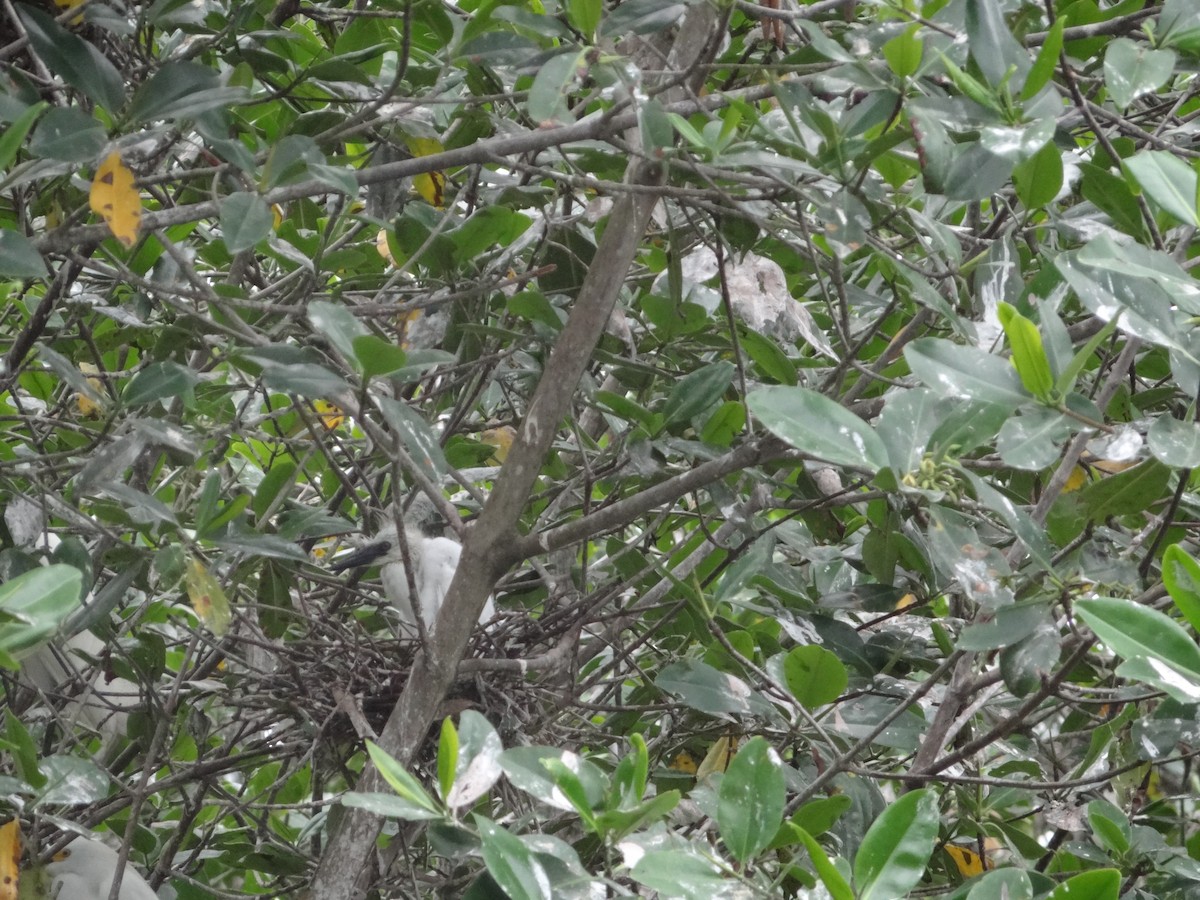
x: 814, y: 388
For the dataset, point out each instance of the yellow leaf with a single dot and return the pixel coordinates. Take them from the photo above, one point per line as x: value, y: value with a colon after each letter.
x: 502, y: 439
x: 719, y: 756
x: 10, y: 859
x: 968, y: 862
x: 906, y: 601
x: 70, y: 4
x: 1076, y: 480
x: 90, y: 405
x: 383, y: 248
x: 116, y: 200
x: 684, y: 762
x: 331, y: 416
x: 430, y: 185
x: 208, y: 600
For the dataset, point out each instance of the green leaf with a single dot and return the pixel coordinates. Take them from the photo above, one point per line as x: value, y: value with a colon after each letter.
x: 404, y: 784
x: 818, y: 816
x: 34, y: 605
x: 903, y: 52
x: 896, y: 849
x: 1181, y: 575
x: 1168, y: 181
x: 1175, y: 443
x: 447, y: 757
x: 1132, y: 68
x: 417, y: 437
x: 181, y: 90
x: 1109, y: 826
x: 1126, y: 493
x: 337, y: 325
x: 954, y: 370
x: 1008, y: 625
x: 14, y: 133
x: 750, y: 799
x: 1132, y: 630
x: 1039, y: 178
x: 391, y: 806
x: 19, y: 258
x: 73, y: 59
x: 514, y: 866
x: 1047, y: 61
x: 160, y: 381
x: 375, y: 356
x: 68, y: 134
x: 1028, y: 354
x: 696, y: 392
x: 814, y: 675
x: 826, y: 870
x: 487, y: 227
x: 547, y: 103
x: 813, y: 423
x: 245, y: 220
x: 1098, y: 884
x: 709, y: 690
x: 1031, y: 440
x: 585, y: 15
x: 1003, y: 884
x: 477, y: 764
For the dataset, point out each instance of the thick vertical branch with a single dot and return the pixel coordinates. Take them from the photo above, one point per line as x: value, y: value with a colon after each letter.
x: 489, y: 547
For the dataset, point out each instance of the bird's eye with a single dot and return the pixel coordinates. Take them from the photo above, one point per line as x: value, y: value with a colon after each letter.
x: 61, y: 855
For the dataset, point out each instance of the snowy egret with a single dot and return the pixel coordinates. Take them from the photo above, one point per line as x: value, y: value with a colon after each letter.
x: 85, y: 870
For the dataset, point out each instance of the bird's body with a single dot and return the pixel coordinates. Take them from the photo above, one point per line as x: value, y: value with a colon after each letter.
x: 434, y: 561
x: 85, y: 869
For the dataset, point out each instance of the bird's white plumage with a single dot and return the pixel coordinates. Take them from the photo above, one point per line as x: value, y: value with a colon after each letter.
x: 85, y: 869
x: 435, y: 560
x: 100, y: 702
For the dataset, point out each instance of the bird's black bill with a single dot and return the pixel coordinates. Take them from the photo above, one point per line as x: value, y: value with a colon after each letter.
x: 360, y: 558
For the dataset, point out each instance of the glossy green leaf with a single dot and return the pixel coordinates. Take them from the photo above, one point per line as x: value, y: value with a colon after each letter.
x: 1003, y: 884
x: 245, y: 220
x: 1132, y: 630
x: 813, y: 423
x: 399, y: 779
x: 1046, y: 62
x: 68, y: 134
x: 953, y: 370
x: 696, y: 392
x: 477, y: 761
x: 73, y: 59
x: 159, y: 381
x: 375, y: 356
x: 1098, y: 884
x: 903, y: 52
x: 1168, y: 181
x: 750, y: 799
x: 895, y: 851
x: 447, y: 757
x: 1181, y: 575
x: 19, y: 258
x: 1028, y: 355
x: 837, y: 886
x: 1132, y: 69
x: 815, y: 676
x: 513, y: 865
x: 1033, y: 439
x: 547, y: 101
x: 1039, y: 178
x: 14, y: 133
x: 1175, y: 443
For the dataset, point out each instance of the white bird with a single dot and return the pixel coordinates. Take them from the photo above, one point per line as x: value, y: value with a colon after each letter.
x: 434, y: 560
x: 85, y: 870
x: 98, y: 702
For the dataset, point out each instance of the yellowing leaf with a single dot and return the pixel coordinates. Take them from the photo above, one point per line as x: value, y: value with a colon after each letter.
x: 968, y: 861
x: 331, y: 416
x: 719, y: 756
x: 382, y: 246
x: 430, y: 185
x: 683, y: 761
x: 115, y: 198
x: 906, y: 601
x: 1076, y: 480
x: 208, y: 600
x: 70, y: 4
x: 10, y: 859
x: 502, y: 439
x: 90, y: 405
